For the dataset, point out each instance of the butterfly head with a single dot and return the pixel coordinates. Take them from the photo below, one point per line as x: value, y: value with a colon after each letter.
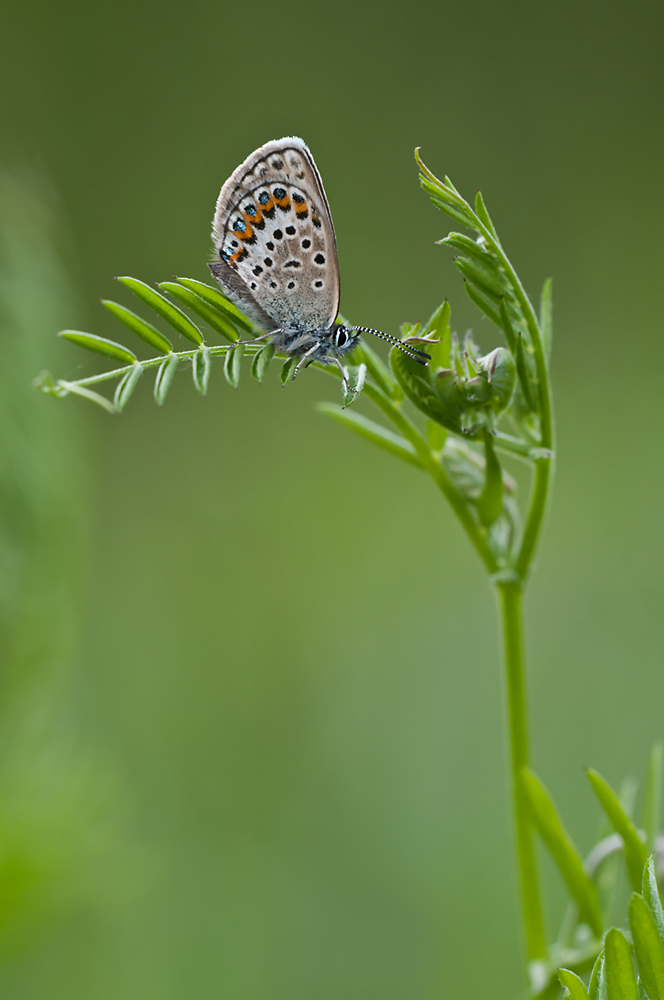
x: 344, y: 340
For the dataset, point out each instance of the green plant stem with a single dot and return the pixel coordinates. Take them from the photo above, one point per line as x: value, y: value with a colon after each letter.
x: 216, y: 351
x: 511, y: 600
x: 435, y: 469
x: 536, y: 511
x: 510, y: 595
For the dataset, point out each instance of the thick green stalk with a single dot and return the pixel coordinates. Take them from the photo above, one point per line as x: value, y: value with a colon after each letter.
x: 510, y: 594
x: 511, y: 597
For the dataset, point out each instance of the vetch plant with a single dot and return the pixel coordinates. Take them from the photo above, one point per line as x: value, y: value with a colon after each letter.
x: 456, y: 420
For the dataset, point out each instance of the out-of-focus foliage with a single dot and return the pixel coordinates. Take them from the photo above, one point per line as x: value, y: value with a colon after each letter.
x: 60, y: 806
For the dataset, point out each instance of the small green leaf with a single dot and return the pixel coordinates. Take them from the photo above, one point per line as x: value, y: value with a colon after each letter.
x: 165, y: 374
x: 201, y: 370
x: 477, y: 249
x: 371, y: 431
x: 146, y: 331
x: 100, y: 345
x: 126, y: 386
x: 508, y: 329
x: 482, y: 304
x: 618, y: 967
x: 445, y: 206
x: 438, y: 328
x: 155, y: 300
x: 445, y: 404
x: 489, y: 283
x: 573, y: 986
x: 261, y: 362
x: 480, y: 209
x: 445, y: 196
x: 652, y: 796
x: 287, y: 370
x: 465, y: 467
x: 233, y: 365
x: 215, y: 298
x: 356, y: 375
x: 499, y: 371
x: 447, y: 201
x: 490, y: 501
x: 436, y: 435
x: 546, y: 316
x: 562, y: 850
x: 213, y: 316
x: 597, y: 985
x: 80, y: 390
x: 652, y: 896
x: 636, y: 855
x: 647, y: 947
x: 524, y: 376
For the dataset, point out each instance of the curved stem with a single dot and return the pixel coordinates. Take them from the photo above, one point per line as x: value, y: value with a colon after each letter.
x: 510, y: 597
x: 438, y: 474
x: 536, y: 511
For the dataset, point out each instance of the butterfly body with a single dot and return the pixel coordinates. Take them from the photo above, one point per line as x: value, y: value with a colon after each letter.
x: 276, y: 253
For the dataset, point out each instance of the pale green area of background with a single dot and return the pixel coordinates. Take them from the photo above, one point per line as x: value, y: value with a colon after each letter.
x: 286, y: 673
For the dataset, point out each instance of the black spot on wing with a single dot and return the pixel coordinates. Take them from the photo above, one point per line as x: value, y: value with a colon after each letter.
x: 290, y: 230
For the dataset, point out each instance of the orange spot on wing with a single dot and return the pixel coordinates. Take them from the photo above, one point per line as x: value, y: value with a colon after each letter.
x: 283, y: 202
x: 255, y: 219
x: 235, y: 258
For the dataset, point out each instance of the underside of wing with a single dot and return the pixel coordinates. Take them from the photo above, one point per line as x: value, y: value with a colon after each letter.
x: 273, y: 229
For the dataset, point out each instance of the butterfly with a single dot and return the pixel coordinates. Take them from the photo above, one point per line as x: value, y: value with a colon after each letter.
x: 275, y: 256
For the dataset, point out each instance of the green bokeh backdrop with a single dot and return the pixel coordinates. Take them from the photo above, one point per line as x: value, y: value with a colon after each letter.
x: 287, y: 651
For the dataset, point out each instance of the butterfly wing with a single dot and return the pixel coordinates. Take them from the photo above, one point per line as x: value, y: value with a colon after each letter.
x: 275, y: 248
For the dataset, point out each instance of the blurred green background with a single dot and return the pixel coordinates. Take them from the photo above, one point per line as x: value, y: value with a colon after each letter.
x: 251, y: 724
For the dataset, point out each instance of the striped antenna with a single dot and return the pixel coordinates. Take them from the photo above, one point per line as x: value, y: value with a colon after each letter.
x: 412, y: 352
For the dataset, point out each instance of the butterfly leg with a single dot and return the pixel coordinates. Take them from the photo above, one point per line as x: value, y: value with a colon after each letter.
x: 263, y: 336
x: 343, y: 373
x: 312, y: 350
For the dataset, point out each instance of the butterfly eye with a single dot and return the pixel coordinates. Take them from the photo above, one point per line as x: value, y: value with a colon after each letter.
x: 340, y: 338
